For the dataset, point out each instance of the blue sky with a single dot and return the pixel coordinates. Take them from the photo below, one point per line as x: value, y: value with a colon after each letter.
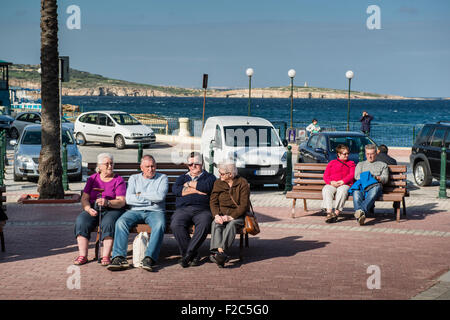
x: 174, y: 42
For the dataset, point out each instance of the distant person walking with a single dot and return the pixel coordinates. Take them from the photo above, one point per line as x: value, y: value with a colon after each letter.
x: 313, y: 127
x: 365, y: 122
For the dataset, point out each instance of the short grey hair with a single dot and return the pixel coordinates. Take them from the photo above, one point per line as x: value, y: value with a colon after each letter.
x: 229, y: 167
x: 100, y: 158
x: 195, y: 154
x: 148, y: 157
x: 371, y: 147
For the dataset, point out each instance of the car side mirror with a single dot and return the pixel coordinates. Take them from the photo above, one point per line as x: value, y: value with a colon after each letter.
x: 13, y: 142
x: 285, y: 142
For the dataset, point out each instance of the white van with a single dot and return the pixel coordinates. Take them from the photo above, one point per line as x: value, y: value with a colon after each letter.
x: 252, y: 143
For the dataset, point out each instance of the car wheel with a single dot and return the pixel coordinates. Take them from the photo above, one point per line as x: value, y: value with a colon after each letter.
x: 81, y: 139
x: 14, y: 133
x: 77, y: 178
x: 119, y: 142
x: 422, y: 174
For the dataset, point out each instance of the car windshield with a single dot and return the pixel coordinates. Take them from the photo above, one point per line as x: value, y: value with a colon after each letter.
x: 251, y: 136
x: 33, y: 137
x: 354, y: 143
x: 124, y: 119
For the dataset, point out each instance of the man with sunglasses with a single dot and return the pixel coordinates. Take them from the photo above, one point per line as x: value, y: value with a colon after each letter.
x: 192, y: 191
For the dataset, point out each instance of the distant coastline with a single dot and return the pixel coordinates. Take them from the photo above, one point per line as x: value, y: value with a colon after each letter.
x: 87, y: 84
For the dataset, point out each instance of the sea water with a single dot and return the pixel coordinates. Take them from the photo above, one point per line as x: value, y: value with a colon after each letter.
x: 395, y: 123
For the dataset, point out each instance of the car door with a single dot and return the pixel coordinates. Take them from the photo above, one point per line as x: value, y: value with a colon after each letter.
x: 433, y: 152
x: 308, y: 151
x: 320, y: 152
x: 105, y: 128
x: 90, y: 127
x: 218, y: 146
x: 21, y: 122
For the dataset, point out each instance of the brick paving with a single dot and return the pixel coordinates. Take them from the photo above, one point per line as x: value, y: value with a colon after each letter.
x: 301, y: 258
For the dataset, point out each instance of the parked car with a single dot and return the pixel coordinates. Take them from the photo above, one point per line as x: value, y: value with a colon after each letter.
x: 24, y: 119
x: 115, y: 127
x: 28, y: 147
x: 321, y: 147
x: 425, y: 158
x: 251, y: 142
x: 5, y: 122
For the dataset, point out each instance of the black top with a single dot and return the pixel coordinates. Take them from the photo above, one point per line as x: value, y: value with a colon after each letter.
x: 384, y: 157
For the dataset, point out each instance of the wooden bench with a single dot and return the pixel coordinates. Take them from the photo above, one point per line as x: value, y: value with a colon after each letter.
x: 2, y: 223
x: 173, y: 171
x: 309, y: 183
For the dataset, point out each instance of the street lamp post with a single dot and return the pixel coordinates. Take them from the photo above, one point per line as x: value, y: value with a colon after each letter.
x: 249, y: 73
x: 349, y: 75
x: 291, y: 74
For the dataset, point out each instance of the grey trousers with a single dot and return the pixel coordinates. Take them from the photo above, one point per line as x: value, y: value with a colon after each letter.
x: 329, y: 192
x: 222, y: 235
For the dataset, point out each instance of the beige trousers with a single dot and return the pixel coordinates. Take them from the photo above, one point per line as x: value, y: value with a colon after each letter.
x: 329, y: 192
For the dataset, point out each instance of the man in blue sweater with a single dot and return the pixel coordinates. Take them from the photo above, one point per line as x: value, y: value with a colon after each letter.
x: 146, y: 195
x: 192, y: 191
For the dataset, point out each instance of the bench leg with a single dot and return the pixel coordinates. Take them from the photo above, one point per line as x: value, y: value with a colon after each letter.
x: 404, y: 207
x: 246, y: 240
x: 305, y: 207
x: 293, y: 208
x: 2, y: 239
x: 397, y: 212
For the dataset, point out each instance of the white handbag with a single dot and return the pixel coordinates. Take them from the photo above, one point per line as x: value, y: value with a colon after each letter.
x: 140, y: 243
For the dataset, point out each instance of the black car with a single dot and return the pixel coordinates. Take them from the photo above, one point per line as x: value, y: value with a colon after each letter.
x: 5, y: 122
x: 321, y: 147
x: 425, y: 158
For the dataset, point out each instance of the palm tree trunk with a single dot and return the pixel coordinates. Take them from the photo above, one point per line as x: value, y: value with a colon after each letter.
x: 50, y: 169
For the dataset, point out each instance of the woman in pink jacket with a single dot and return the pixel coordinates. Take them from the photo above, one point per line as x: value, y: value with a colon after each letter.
x: 338, y: 176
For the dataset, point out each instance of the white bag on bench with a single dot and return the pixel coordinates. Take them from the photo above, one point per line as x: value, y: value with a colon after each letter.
x: 140, y: 243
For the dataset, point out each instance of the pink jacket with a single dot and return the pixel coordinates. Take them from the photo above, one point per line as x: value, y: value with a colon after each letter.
x: 339, y: 170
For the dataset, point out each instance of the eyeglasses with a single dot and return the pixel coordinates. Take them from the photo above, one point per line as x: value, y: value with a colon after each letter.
x: 223, y: 173
x: 194, y: 164
x: 345, y: 154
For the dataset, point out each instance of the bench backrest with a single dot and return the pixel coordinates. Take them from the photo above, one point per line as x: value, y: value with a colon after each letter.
x: 309, y: 176
x: 173, y: 171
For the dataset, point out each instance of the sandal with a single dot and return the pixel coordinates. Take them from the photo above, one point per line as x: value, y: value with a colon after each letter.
x: 80, y: 260
x: 330, y: 218
x: 106, y: 261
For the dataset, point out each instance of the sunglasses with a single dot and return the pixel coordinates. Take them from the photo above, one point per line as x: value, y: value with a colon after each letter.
x: 345, y: 154
x: 194, y: 164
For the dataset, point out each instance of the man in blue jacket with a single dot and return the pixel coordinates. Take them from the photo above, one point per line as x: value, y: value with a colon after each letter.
x: 192, y: 191
x: 372, y: 184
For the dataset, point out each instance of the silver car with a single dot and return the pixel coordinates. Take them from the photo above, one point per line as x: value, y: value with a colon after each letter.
x: 28, y: 147
x: 24, y: 119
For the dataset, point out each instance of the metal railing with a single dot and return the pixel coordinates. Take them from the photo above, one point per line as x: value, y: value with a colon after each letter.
x: 390, y: 134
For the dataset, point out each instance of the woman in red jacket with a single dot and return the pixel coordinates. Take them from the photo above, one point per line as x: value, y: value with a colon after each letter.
x: 338, y: 176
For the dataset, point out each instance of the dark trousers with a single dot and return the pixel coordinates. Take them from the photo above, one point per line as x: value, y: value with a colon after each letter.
x: 182, y: 220
x: 86, y: 223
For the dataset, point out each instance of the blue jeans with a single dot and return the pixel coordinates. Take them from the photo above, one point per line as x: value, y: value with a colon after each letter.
x: 365, y: 203
x: 155, y: 219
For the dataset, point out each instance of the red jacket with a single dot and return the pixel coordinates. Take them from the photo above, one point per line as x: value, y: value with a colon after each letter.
x: 339, y: 170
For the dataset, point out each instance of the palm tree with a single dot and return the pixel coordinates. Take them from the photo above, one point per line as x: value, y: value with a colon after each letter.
x: 50, y: 168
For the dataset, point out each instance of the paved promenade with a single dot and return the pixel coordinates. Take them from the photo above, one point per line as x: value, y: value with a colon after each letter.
x: 292, y: 258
